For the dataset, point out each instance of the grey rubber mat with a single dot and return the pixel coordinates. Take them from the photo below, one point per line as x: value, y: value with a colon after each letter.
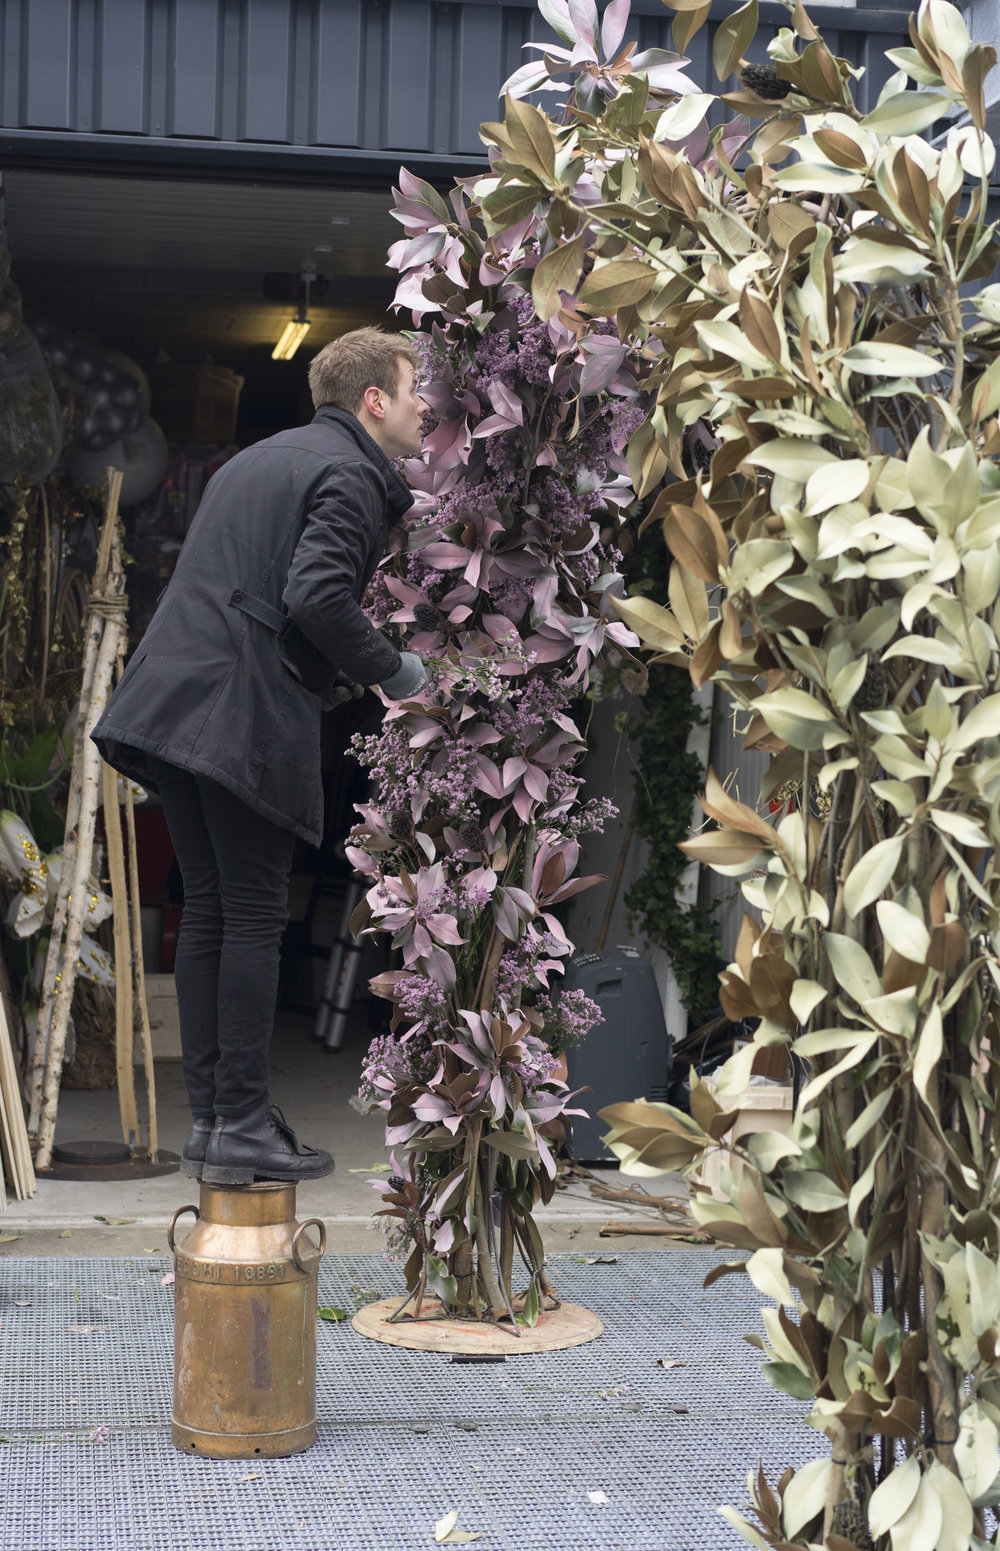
x: 86, y: 1462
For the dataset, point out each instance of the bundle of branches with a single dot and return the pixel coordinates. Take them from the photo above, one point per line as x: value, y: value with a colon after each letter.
x: 75, y: 898
x: 804, y: 278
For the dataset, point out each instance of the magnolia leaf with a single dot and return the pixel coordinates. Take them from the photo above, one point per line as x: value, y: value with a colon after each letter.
x: 893, y: 1496
x: 877, y: 359
x: 922, y: 648
x: 796, y: 717
x: 984, y: 1290
x: 789, y: 1379
x: 865, y: 1182
x: 723, y: 848
x: 919, y: 1527
x: 744, y: 1528
x: 956, y: 1527
x: 765, y: 1268
x: 868, y: 1119
x: 976, y: 1450
x: 872, y: 874
x: 804, y: 1496
x: 792, y: 456
x: 530, y: 133
x: 983, y: 721
x: 732, y: 39
x: 896, y: 1013
x: 903, y: 931
x: 813, y: 1191
x: 655, y: 625
x: 928, y: 1052
x: 965, y: 829
x: 767, y: 1148
x: 683, y: 117
x: 619, y: 283
x: 557, y: 16
x: 877, y: 263
x: 558, y: 271
x: 804, y: 997
x: 907, y: 113
x: 836, y: 484
x: 902, y: 797
x: 855, y: 973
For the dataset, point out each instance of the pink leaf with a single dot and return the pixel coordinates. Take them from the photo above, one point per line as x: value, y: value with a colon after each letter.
x: 536, y: 782
x: 523, y: 805
x: 613, y: 26
x: 443, y: 555
x: 498, y: 1097
x: 506, y: 916
x: 513, y: 770
x: 488, y: 779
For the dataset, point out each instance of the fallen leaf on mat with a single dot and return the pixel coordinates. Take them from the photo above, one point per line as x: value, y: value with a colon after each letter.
x: 670, y: 1362
x: 597, y: 1260
x: 22, y: 1303
x: 333, y: 1315
x: 7, y: 1238
x: 445, y: 1532
x: 115, y: 1222
x: 244, y: 1479
x: 86, y: 1330
x: 167, y: 1279
x: 67, y: 1233
x: 598, y: 1497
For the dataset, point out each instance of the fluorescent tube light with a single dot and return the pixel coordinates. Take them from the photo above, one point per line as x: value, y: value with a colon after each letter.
x: 294, y: 333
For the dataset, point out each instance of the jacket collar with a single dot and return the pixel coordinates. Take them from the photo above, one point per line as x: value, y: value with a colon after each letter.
x: 399, y: 496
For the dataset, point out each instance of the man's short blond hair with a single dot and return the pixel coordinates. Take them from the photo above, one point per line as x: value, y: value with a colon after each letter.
x: 364, y: 358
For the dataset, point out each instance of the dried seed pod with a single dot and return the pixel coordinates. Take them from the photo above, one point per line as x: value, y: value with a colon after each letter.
x: 472, y: 836
x: 399, y: 824
x: 765, y: 81
x: 426, y: 615
x: 874, y: 687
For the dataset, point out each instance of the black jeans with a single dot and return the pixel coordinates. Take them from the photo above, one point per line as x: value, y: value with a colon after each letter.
x: 235, y: 866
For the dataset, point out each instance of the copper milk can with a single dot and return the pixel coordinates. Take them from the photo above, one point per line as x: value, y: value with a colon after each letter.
x: 245, y: 1324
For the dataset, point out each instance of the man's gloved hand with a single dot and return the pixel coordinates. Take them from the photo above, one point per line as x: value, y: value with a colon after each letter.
x: 410, y: 678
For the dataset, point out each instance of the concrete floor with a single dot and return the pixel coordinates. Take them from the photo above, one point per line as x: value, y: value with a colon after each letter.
x: 314, y: 1089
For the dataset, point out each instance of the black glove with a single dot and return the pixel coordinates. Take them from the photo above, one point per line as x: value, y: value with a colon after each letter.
x: 409, y: 679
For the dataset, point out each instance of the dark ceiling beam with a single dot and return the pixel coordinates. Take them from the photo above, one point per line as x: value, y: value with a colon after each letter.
x: 232, y: 161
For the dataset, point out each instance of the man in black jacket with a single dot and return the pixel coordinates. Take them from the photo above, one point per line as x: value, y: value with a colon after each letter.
x: 219, y: 711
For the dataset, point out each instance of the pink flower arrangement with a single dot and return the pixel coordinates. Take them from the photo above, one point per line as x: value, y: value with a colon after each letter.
x: 471, y: 837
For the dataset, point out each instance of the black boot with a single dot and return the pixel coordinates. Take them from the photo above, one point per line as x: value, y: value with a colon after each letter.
x: 261, y: 1145
x: 193, y: 1151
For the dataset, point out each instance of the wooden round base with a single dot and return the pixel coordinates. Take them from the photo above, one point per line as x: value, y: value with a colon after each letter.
x: 569, y: 1325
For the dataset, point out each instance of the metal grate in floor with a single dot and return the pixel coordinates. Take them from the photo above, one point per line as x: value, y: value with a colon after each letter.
x: 86, y: 1462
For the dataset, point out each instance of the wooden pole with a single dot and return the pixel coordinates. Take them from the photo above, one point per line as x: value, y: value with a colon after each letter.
x: 139, y: 975
x: 124, y: 1053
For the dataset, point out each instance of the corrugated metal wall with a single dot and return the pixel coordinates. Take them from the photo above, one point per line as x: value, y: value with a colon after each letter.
x: 368, y: 76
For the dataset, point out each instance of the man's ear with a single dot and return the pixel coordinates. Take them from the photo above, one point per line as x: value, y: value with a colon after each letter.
x: 373, y: 400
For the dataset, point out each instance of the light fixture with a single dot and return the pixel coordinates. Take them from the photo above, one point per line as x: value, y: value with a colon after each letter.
x: 296, y: 330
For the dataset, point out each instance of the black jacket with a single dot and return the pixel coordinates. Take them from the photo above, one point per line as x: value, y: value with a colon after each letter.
x: 265, y: 599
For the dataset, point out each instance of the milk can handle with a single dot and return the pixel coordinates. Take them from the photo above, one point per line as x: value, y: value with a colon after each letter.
x: 173, y: 1222
x: 300, y: 1230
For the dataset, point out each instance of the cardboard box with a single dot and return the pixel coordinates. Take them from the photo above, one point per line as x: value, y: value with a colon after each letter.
x: 765, y: 1106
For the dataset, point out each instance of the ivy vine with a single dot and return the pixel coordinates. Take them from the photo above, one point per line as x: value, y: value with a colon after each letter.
x: 667, y: 779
